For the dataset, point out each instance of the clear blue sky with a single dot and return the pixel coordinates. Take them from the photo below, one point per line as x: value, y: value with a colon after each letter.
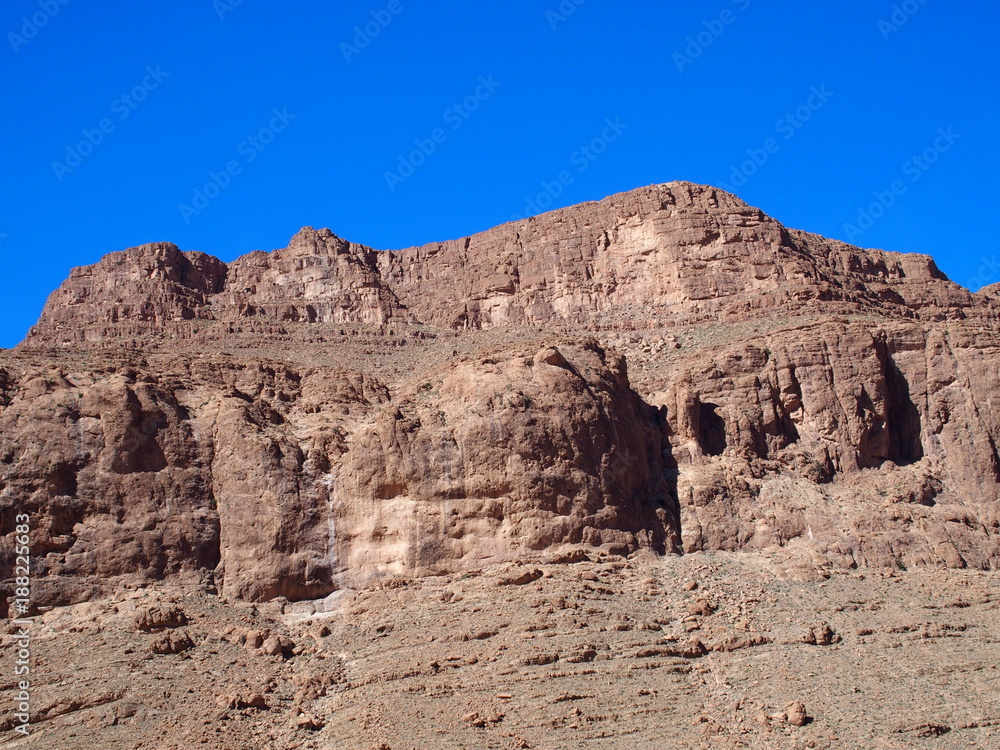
x: 553, y: 80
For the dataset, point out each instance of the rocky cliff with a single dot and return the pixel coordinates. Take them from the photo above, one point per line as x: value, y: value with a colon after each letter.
x: 666, y: 254
x: 667, y: 369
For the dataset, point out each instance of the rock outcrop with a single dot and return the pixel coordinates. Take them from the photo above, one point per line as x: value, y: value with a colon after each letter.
x: 326, y: 414
x: 318, y: 278
x: 665, y: 254
x: 112, y: 477
x: 502, y: 456
x: 668, y: 254
x: 873, y: 442
x: 129, y: 293
x: 283, y: 482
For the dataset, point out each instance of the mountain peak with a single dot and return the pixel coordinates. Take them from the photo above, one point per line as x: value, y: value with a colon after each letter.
x: 309, y: 241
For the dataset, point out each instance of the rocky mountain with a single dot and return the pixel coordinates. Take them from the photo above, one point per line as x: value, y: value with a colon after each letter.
x: 665, y: 254
x: 668, y: 369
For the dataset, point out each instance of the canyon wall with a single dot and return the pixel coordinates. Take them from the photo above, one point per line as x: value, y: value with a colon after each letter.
x: 667, y: 369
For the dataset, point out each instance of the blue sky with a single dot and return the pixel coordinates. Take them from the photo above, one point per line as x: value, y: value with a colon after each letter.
x: 226, y: 126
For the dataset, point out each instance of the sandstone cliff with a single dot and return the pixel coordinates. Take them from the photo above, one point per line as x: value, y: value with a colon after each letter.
x: 425, y: 410
x: 677, y: 253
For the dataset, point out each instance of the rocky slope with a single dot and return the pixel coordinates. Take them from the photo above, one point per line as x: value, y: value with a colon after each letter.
x: 668, y: 369
x: 700, y: 651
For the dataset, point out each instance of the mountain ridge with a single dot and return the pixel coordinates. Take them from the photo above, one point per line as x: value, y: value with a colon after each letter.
x: 575, y: 266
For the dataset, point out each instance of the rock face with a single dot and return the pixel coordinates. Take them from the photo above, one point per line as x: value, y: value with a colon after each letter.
x: 493, y: 458
x: 113, y: 479
x: 318, y: 278
x: 326, y: 414
x: 677, y: 252
x: 246, y: 472
x: 667, y: 253
x: 152, y: 287
x: 773, y: 436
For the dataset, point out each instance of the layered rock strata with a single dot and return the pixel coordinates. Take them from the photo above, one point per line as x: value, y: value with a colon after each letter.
x: 667, y: 369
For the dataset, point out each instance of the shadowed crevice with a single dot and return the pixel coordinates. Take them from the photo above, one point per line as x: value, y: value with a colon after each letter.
x: 903, y: 418
x: 711, y: 430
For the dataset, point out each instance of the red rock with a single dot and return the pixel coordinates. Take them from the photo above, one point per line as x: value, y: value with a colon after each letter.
x: 300, y: 420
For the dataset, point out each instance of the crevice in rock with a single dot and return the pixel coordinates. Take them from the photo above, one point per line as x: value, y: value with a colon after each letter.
x: 994, y: 459
x: 902, y: 417
x: 711, y: 430
x: 62, y: 479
